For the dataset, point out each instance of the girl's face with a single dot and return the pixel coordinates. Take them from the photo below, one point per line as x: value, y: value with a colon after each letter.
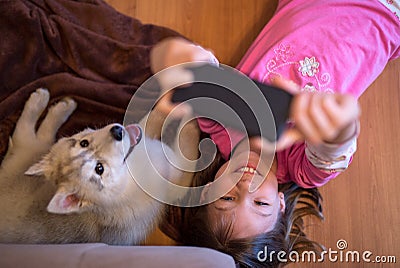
x: 254, y: 212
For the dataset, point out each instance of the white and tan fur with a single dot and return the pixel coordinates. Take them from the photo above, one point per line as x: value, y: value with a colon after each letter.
x: 54, y: 193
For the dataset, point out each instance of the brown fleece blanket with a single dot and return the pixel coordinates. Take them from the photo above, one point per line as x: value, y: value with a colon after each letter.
x: 83, y: 49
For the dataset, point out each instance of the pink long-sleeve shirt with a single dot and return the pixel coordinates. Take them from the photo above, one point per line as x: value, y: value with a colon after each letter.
x: 323, y: 45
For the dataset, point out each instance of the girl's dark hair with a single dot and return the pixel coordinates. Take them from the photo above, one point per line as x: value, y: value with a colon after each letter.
x: 191, y: 226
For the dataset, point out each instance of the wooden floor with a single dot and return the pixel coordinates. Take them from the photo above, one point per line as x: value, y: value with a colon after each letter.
x: 361, y: 206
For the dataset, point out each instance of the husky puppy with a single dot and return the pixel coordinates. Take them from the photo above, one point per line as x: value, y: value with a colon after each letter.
x: 81, y: 190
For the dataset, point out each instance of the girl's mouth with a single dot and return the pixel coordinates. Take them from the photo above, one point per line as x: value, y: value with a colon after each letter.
x: 247, y: 169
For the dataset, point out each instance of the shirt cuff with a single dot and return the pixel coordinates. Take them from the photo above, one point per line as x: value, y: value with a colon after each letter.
x: 330, y: 157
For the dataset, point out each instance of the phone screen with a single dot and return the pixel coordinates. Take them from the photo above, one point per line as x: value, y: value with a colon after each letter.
x: 234, y: 100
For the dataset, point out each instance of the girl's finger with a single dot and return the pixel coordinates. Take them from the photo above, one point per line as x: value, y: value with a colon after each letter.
x: 302, y: 120
x: 341, y: 109
x: 174, y: 76
x: 288, y: 138
x: 320, y: 118
x: 166, y: 107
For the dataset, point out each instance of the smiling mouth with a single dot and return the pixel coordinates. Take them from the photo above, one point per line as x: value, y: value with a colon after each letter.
x: 248, y: 170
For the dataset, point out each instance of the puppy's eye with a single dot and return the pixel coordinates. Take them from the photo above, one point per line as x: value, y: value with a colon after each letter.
x: 99, y: 169
x: 84, y: 143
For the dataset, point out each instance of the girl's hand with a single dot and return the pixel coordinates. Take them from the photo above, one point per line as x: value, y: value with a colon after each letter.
x: 319, y: 117
x: 165, y: 58
x: 175, y: 50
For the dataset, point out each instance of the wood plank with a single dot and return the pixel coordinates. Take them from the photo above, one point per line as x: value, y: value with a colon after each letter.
x: 226, y: 26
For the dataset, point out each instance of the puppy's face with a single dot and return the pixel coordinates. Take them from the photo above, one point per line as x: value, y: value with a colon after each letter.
x: 89, y: 168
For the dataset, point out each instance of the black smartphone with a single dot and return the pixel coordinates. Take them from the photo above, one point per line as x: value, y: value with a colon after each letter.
x: 234, y: 100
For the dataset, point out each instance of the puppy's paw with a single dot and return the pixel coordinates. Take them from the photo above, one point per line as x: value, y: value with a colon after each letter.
x: 56, y: 116
x: 38, y: 101
x: 63, y: 109
x: 34, y: 106
x: 23, y: 143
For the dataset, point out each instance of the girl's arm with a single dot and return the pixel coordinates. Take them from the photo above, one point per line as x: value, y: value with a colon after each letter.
x: 323, y: 139
x: 313, y: 165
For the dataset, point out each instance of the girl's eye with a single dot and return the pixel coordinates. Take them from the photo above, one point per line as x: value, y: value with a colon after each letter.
x: 260, y: 203
x: 227, y: 198
x: 84, y: 143
x: 99, y: 169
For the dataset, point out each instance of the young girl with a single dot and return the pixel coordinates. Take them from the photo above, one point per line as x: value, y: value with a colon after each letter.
x: 242, y: 222
x: 325, y: 47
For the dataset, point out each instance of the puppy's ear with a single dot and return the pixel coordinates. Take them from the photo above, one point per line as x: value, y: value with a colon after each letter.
x: 65, y: 202
x: 39, y: 168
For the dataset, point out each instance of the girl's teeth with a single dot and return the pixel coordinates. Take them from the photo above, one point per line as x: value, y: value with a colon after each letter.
x: 248, y: 170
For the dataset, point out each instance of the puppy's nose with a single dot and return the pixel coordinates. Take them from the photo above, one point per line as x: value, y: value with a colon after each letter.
x: 117, y: 132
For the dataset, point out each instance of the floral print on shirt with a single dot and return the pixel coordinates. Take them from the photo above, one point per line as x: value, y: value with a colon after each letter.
x: 308, y: 67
